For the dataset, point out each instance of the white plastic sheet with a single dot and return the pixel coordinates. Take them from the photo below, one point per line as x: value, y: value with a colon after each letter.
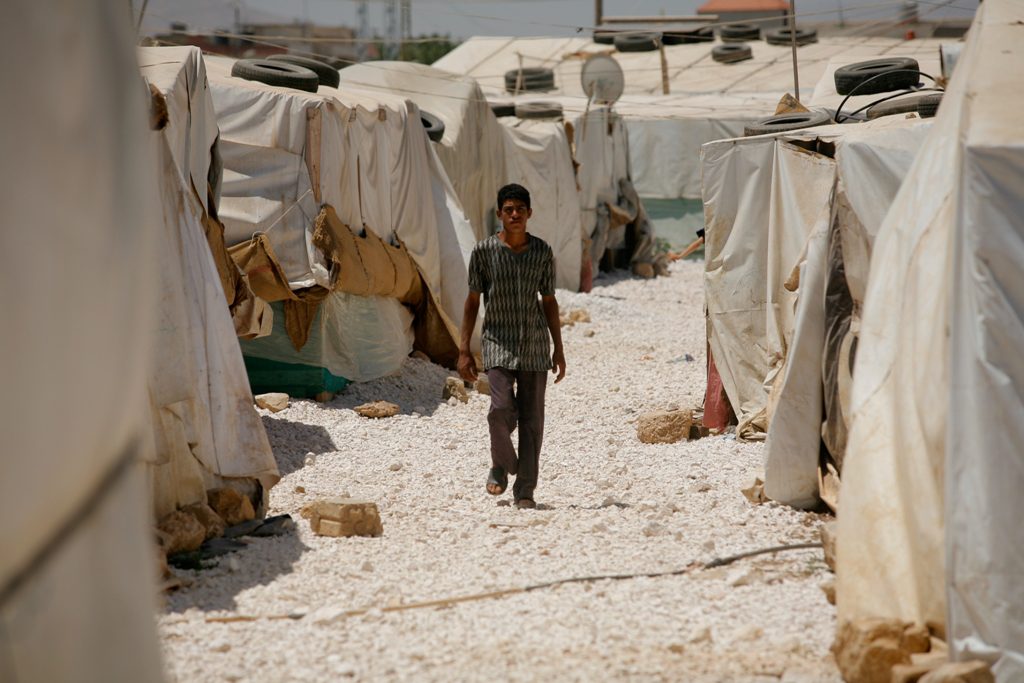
x: 77, y: 285
x: 930, y: 510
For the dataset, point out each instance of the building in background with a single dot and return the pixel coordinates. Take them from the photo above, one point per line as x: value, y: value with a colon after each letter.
x: 770, y: 13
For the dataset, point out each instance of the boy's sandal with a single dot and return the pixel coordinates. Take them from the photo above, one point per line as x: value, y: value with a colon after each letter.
x: 526, y: 504
x: 497, y: 477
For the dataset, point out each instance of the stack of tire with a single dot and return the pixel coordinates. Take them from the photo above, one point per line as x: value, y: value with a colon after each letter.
x: 785, y: 36
x: 705, y: 34
x: 287, y: 71
x: 529, y: 78
x: 739, y: 33
x: 637, y: 42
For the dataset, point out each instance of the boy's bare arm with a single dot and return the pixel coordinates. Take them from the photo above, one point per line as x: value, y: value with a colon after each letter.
x: 550, y: 305
x: 467, y: 365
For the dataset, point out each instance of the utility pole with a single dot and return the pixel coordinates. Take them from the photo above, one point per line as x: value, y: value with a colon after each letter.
x: 363, y: 12
x: 406, y: 21
x: 598, y: 12
x: 391, y: 28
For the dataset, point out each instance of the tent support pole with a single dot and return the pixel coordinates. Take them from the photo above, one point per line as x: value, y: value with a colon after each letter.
x: 792, y: 42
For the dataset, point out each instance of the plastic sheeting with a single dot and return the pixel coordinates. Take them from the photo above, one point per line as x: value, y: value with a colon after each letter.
x: 930, y: 510
x: 707, y: 100
x: 287, y: 153
x: 77, y: 283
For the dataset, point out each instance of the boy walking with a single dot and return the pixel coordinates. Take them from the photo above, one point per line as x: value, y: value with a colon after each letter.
x: 515, y: 273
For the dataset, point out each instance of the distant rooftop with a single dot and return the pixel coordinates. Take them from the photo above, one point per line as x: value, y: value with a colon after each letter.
x: 731, y: 6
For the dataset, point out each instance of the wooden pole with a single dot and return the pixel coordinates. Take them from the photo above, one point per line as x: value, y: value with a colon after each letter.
x: 664, y: 68
x: 598, y: 12
x: 792, y: 42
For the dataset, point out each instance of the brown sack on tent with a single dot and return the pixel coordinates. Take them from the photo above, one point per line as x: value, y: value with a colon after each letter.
x: 257, y: 260
x: 250, y: 314
x: 300, y: 312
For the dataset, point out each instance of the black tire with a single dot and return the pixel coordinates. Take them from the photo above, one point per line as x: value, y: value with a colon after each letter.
x: 784, y: 36
x: 605, y: 37
x: 637, y: 42
x: 501, y: 109
x: 928, y: 105
x: 888, y: 74
x: 533, y: 78
x: 697, y: 35
x: 897, y: 105
x: 539, y: 110
x: 276, y: 73
x: 327, y: 74
x: 787, y: 122
x: 727, y: 54
x: 434, y: 125
x: 739, y: 33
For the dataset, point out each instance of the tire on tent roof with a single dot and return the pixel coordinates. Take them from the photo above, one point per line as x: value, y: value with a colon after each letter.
x: 539, y: 110
x: 787, y: 122
x: 887, y: 74
x: 605, y: 37
x: 899, y: 105
x: 276, y: 73
x: 434, y: 125
x: 501, y: 109
x: 704, y: 34
x: 727, y: 54
x: 784, y: 36
x: 637, y: 42
x: 739, y: 33
x: 327, y: 74
x: 928, y: 105
x: 533, y: 78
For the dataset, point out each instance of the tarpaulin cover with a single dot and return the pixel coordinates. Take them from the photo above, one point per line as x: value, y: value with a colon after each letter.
x: 287, y: 153
x: 179, y: 76
x: 929, y: 518
x: 707, y: 100
x: 77, y: 287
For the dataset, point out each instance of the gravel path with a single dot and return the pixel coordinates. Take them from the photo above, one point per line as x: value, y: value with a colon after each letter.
x: 609, y: 504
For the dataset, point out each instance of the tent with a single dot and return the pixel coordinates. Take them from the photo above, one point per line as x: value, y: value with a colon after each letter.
x: 206, y: 431
x: 770, y: 204
x: 480, y: 155
x: 929, y: 517
x: 78, y: 271
x: 290, y: 159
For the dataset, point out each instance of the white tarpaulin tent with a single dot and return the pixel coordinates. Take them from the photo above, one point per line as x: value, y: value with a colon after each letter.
x: 77, y: 288
x: 206, y: 432
x: 929, y: 517
x: 288, y: 153
x: 480, y: 155
x: 769, y: 204
x: 707, y: 100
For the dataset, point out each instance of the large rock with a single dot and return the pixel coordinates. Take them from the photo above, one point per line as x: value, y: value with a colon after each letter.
x: 182, y: 532
x: 275, y: 402
x: 377, y: 409
x: 211, y: 521
x: 576, y: 315
x: 664, y: 426
x: 343, y: 517
x: 866, y: 650
x: 232, y: 506
x: 828, y: 543
x: 453, y: 386
x: 960, y: 672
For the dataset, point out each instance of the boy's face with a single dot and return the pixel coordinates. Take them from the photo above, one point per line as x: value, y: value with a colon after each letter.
x: 514, y: 214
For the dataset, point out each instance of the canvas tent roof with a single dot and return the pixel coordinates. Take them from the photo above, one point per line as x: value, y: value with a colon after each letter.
x: 480, y: 155
x: 287, y: 153
x: 707, y: 101
x: 76, y: 181
x: 929, y: 519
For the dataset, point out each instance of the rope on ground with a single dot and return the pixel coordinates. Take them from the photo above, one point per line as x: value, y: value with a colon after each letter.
x: 448, y: 602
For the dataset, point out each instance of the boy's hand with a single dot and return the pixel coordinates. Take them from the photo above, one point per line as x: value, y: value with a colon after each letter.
x: 467, y: 366
x: 558, y: 365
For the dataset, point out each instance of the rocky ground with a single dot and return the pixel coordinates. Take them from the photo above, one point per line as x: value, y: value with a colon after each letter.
x: 608, y: 505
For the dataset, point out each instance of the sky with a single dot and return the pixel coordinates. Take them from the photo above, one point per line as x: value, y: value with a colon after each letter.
x: 494, y: 17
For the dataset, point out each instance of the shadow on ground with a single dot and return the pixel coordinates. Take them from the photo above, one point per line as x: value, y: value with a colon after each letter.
x: 259, y: 564
x: 291, y: 441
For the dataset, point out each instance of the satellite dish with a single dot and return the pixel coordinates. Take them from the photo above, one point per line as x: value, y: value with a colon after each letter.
x: 602, y: 79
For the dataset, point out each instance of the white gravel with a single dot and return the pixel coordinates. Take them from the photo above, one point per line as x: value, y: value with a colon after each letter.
x: 609, y: 505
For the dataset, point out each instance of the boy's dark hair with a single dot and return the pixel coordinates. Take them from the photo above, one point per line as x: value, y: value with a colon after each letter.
x: 513, y: 191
